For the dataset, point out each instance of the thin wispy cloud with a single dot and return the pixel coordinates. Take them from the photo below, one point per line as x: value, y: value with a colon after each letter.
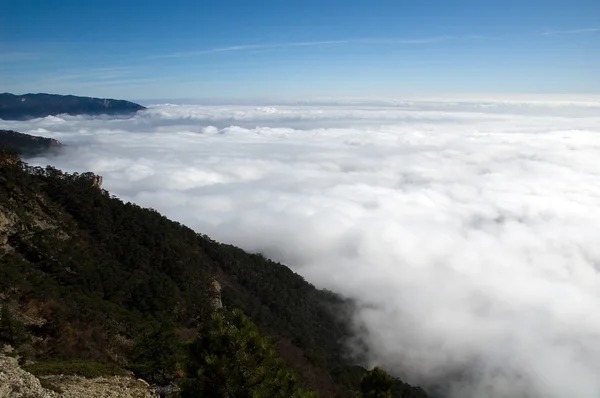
x: 97, y: 74
x: 572, y: 31
x: 73, y: 80
x: 249, y: 47
x: 128, y: 82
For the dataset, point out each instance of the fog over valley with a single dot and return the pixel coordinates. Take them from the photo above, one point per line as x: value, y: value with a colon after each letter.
x: 467, y: 230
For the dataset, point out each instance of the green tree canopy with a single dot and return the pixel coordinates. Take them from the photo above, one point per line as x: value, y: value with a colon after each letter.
x: 231, y: 358
x: 376, y: 384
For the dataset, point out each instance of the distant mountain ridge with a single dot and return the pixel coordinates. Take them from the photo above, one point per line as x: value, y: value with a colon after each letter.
x: 30, y: 106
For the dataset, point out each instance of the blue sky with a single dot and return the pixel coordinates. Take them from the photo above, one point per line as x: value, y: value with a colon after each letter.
x: 207, y: 49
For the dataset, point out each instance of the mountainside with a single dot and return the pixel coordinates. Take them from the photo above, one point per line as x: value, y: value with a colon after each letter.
x: 86, y: 277
x: 26, y: 144
x: 29, y: 106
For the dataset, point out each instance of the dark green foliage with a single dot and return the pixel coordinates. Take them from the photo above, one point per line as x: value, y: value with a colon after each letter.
x: 102, y: 270
x: 231, y: 358
x: 283, y: 303
x: 155, y: 355
x: 376, y: 384
x: 77, y: 368
x: 26, y: 144
x: 12, y: 330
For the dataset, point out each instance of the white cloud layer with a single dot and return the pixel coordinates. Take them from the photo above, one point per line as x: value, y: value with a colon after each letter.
x: 468, y: 230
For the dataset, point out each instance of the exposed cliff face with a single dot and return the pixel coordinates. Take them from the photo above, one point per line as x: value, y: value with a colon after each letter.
x: 28, y: 106
x: 217, y: 303
x: 97, y: 181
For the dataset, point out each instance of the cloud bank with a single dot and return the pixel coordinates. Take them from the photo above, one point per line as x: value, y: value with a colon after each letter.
x: 468, y: 231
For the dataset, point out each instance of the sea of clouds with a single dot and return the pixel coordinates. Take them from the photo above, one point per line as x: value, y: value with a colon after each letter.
x: 469, y: 231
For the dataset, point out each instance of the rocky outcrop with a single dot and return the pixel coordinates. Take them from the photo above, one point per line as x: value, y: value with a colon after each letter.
x: 97, y: 181
x: 217, y: 303
x: 17, y: 383
x: 98, y: 387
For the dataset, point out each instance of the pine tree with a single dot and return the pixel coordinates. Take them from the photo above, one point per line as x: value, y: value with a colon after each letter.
x: 231, y: 358
x: 156, y: 354
x: 376, y: 384
x: 12, y: 330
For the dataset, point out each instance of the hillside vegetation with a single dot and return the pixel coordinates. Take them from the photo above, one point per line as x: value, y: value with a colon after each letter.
x: 88, y: 279
x: 26, y: 144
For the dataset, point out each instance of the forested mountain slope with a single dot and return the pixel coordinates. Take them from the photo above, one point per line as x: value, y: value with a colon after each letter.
x: 27, y: 144
x: 84, y: 276
x: 27, y: 106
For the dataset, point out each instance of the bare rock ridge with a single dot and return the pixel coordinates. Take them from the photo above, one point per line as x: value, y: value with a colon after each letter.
x: 217, y: 302
x: 97, y: 181
x: 30, y: 106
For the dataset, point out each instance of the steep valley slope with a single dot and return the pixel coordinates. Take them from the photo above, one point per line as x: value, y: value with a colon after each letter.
x: 86, y: 277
